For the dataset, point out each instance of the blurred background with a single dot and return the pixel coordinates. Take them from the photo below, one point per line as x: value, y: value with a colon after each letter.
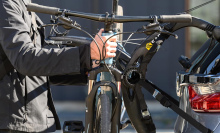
x: 162, y: 70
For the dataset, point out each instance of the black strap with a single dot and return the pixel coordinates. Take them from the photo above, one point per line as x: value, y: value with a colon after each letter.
x: 141, y: 98
x: 51, y: 105
x: 168, y: 103
x: 143, y: 106
x: 5, y: 64
x: 163, y: 93
x: 5, y: 67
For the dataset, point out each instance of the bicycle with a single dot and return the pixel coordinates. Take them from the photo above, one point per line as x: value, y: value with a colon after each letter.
x: 131, y: 73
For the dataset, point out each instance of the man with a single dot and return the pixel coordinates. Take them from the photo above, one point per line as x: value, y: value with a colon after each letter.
x: 25, y: 100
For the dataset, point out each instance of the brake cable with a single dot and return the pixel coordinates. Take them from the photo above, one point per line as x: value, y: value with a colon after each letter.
x: 197, y: 7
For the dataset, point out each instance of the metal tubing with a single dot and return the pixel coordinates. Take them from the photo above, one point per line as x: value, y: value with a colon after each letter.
x: 108, y: 18
x: 119, y: 87
x: 103, y: 18
x: 115, y: 6
x: 122, y: 110
x: 91, y: 82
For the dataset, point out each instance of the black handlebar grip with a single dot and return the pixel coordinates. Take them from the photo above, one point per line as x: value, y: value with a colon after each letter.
x: 183, y: 18
x: 42, y: 9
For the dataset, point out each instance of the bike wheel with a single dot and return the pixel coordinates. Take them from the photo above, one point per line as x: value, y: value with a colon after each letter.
x: 103, y: 115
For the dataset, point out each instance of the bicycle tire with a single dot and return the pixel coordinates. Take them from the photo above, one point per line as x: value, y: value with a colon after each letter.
x: 103, y: 115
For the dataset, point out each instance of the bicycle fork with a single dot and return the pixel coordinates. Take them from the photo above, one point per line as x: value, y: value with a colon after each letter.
x: 93, y: 87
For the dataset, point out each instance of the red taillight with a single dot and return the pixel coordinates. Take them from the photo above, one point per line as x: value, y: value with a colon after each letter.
x: 192, y: 93
x: 204, y: 103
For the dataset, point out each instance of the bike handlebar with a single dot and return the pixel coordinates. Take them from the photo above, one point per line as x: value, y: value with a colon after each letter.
x: 183, y: 18
x: 43, y: 9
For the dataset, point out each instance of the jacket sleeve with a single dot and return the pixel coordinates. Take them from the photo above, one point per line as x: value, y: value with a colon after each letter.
x: 22, y: 53
x: 77, y: 79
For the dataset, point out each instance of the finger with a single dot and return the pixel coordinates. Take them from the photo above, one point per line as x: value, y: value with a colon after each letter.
x: 113, y: 39
x: 111, y: 44
x: 100, y: 39
x: 110, y: 49
x: 104, y: 38
x: 108, y: 55
x: 100, y: 32
x: 94, y: 64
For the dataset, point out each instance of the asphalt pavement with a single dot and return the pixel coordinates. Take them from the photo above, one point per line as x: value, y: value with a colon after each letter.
x: 163, y: 117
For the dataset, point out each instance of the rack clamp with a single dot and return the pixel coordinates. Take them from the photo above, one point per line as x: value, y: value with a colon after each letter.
x: 161, y: 98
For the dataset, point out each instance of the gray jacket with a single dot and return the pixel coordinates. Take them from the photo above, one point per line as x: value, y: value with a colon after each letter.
x: 25, y: 98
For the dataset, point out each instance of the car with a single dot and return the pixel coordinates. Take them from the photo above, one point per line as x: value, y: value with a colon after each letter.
x: 198, y: 88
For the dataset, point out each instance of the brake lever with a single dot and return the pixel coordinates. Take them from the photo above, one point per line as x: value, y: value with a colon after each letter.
x: 169, y: 33
x: 155, y: 27
x: 151, y: 28
x: 68, y: 23
x: 45, y: 25
x: 52, y: 23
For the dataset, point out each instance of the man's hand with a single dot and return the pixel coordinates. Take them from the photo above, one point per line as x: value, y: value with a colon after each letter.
x: 110, y: 46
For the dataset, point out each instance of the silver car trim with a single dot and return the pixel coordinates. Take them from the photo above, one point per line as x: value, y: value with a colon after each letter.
x: 184, y: 79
